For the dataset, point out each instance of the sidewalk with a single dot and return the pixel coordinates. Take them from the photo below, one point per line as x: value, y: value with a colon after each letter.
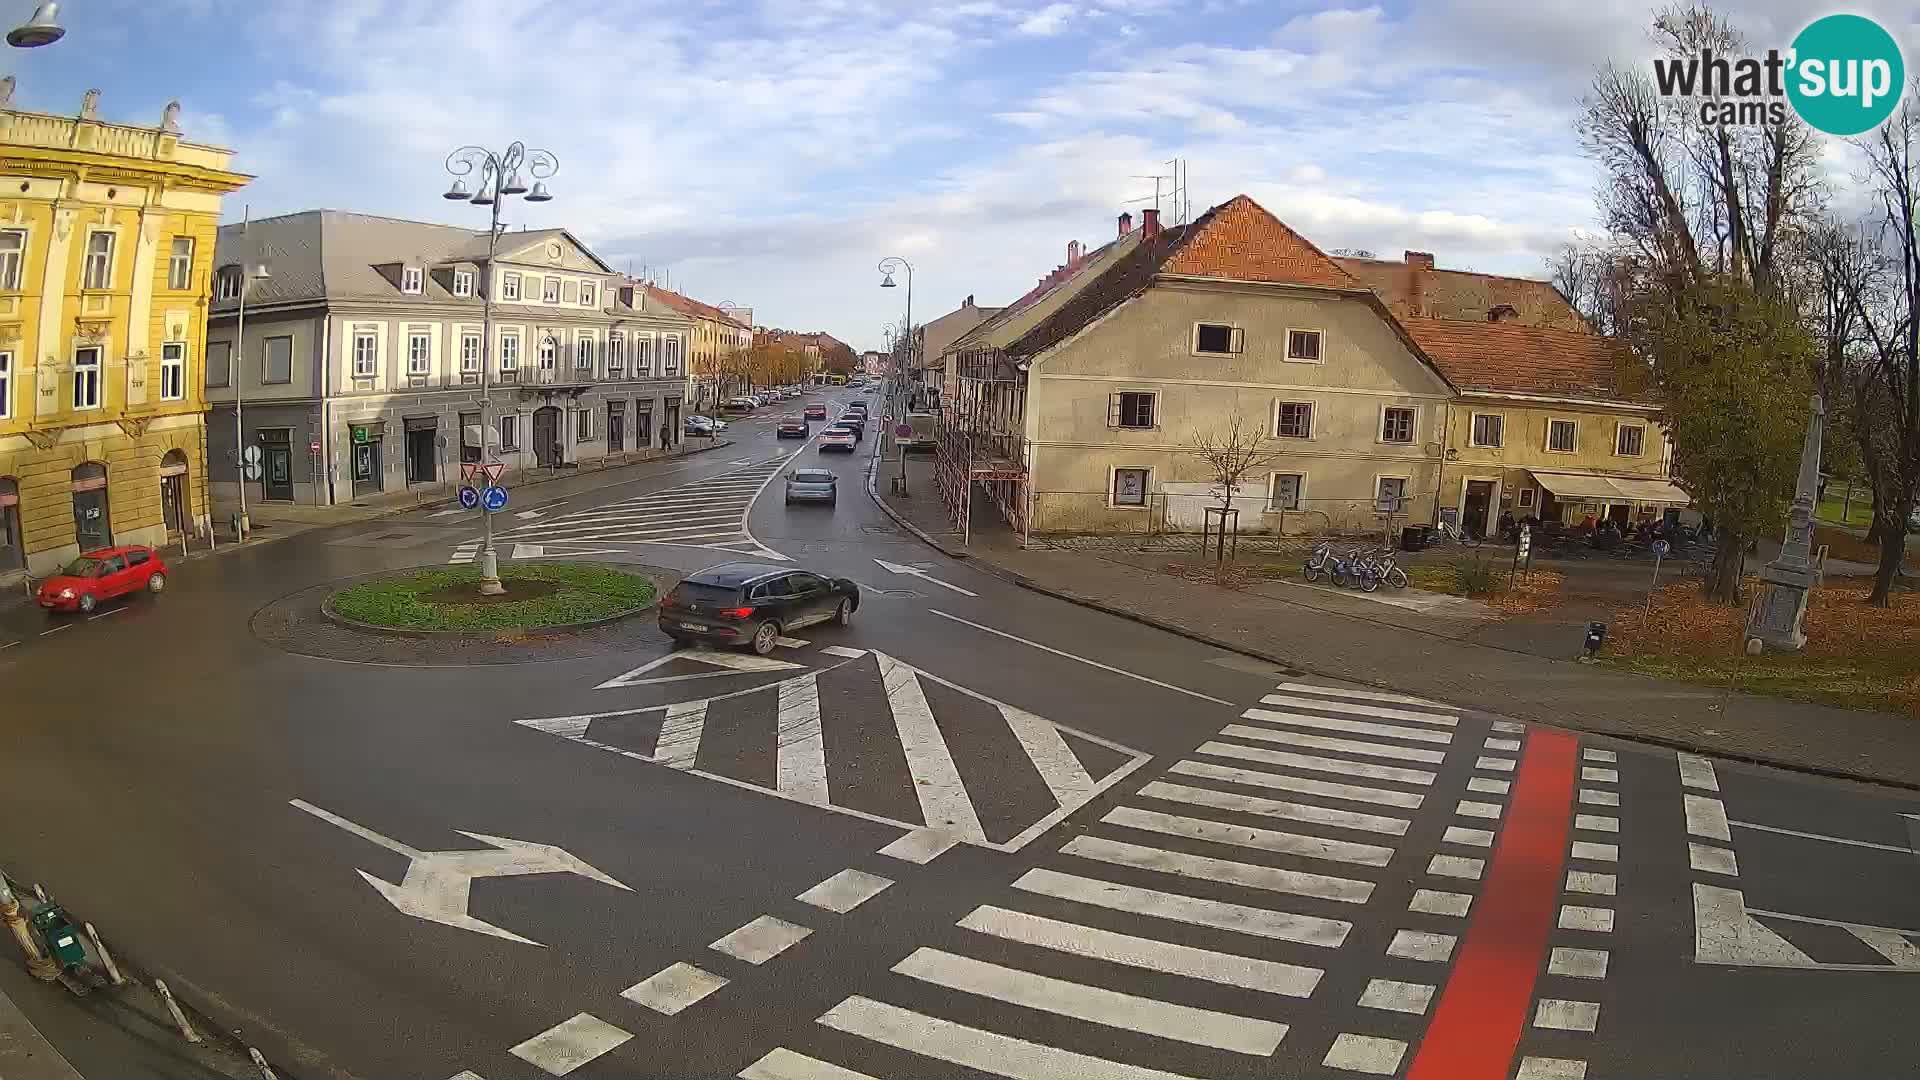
x: 1328, y: 637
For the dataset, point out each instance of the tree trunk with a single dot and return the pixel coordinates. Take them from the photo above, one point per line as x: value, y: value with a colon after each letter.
x: 1877, y: 532
x: 1726, y: 578
x: 1893, y: 548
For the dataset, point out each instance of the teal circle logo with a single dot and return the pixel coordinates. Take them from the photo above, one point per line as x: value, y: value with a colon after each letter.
x: 1846, y: 74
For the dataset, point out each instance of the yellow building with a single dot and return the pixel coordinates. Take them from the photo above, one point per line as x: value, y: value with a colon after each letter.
x: 106, y: 246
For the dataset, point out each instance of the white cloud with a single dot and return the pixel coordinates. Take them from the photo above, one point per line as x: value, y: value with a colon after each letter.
x: 1048, y: 21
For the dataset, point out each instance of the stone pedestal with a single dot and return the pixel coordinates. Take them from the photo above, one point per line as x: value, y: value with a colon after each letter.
x: 1778, y: 616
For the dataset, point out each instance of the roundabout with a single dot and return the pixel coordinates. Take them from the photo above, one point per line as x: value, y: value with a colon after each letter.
x: 445, y: 600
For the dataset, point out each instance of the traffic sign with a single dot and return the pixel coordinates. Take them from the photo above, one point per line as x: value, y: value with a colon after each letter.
x: 252, y: 470
x: 495, y: 498
x: 903, y: 431
x: 1661, y: 547
x: 467, y: 471
x: 250, y: 455
x: 469, y: 497
x: 495, y: 470
x: 313, y: 448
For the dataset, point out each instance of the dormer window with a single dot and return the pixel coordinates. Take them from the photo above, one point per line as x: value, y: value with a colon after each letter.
x: 410, y: 280
x: 463, y: 283
x: 227, y: 283
x: 1502, y: 313
x: 588, y: 294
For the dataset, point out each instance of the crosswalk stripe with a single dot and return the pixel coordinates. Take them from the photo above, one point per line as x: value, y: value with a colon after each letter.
x: 598, y: 532
x: 762, y: 939
x: 1381, y: 712
x: 1096, y: 1005
x: 1408, y: 800
x: 784, y: 1064
x: 1272, y: 879
x: 570, y: 1044
x: 1285, y: 843
x: 943, y: 796
x: 1227, y: 969
x: 1275, y: 808
x: 1191, y: 910
x: 1352, y: 727
x: 801, y: 765
x: 1361, y: 695
x: 1048, y: 750
x: 1318, y: 764
x: 679, y: 741
x: 672, y: 989
x: 987, y: 1051
x: 845, y: 891
x: 1338, y: 746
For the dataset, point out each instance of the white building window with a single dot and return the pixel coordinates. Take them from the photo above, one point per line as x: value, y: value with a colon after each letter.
x: 410, y: 280
x: 616, y: 356
x: 1303, y: 346
x: 670, y: 347
x: 1526, y: 498
x: 98, y: 271
x: 419, y: 352
x: 583, y: 425
x: 86, y: 374
x: 583, y: 354
x: 1489, y: 429
x: 643, y: 356
x: 180, y: 264
x: 6, y: 385
x: 1129, y: 487
x: 13, y: 251
x: 1294, y: 420
x: 509, y: 352
x: 1630, y: 440
x: 1563, y: 436
x: 463, y: 283
x: 1390, y: 494
x: 226, y: 284
x: 550, y: 290
x: 173, y: 371
x: 1130, y: 409
x: 469, y: 353
x: 509, y: 432
x: 1283, y: 491
x: 589, y: 294
x: 1396, y: 425
x: 509, y: 286
x: 549, y: 353
x: 366, y: 354
x: 1217, y: 339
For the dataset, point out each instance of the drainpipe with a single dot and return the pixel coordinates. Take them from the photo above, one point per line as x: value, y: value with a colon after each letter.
x: 326, y: 415
x: 1446, y: 442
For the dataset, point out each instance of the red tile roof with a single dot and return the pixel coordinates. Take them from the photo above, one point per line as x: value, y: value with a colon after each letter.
x: 1419, y: 291
x: 687, y: 305
x: 1506, y: 357
x: 1242, y: 241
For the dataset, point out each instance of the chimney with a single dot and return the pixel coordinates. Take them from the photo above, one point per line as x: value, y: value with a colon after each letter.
x: 969, y: 302
x: 1150, y: 223
x: 1073, y: 253
x: 1418, y: 262
x: 1126, y: 223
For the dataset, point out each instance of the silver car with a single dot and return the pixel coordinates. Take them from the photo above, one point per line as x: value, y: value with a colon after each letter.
x: 811, y: 485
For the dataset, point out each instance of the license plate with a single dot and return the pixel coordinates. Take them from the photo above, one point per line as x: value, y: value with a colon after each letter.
x: 694, y: 626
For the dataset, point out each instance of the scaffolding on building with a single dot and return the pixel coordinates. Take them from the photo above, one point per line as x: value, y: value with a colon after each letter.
x: 981, y: 442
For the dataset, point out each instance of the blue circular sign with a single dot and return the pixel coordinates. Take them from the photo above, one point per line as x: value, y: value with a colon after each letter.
x: 469, y: 498
x: 1660, y: 547
x: 496, y: 498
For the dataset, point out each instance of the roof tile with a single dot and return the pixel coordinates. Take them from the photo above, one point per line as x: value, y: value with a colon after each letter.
x: 1243, y: 242
x: 1507, y: 357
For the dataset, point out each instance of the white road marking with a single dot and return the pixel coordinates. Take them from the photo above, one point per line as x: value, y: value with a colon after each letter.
x: 921, y: 846
x: 678, y: 744
x: 1253, y: 778
x: 1436, y: 902
x: 1604, y: 757
x: 104, y: 614
x: 761, y: 940
x: 529, y: 515
x: 449, y: 513
x: 1596, y: 823
x: 1777, y: 831
x: 1596, y: 920
x: 1318, y: 764
x: 731, y: 661
x: 1352, y: 727
x: 1393, y: 996
x: 844, y: 652
x: 1546, y: 1068
x: 1468, y: 837
x: 1047, y: 748
x: 1365, y: 1054
x: 1191, y: 910
x: 1596, y: 797
x: 987, y: 1051
x: 1697, y: 772
x: 1272, y: 879
x: 1227, y: 969
x: 570, y: 1044
x: 1359, y: 695
x: 783, y: 1064
x: 1455, y: 866
x: 1469, y: 808
x: 1578, y: 963
x: 56, y: 629
x: 1713, y: 860
x: 1586, y: 881
x: 1487, y: 785
x: 1494, y: 764
x: 1509, y: 727
x: 914, y: 571
x: 1724, y: 933
x: 1600, y: 776
x: 672, y: 989
x: 1443, y: 719
x: 8, y: 644
x: 1896, y: 946
x: 1504, y: 745
x: 845, y: 891
x: 1583, y: 849
x: 801, y: 763
x: 528, y: 551
x: 1708, y: 817
x: 1306, y: 847
x: 1420, y: 945
x: 943, y: 796
x: 1274, y: 808
x: 1081, y: 659
x: 1338, y: 746
x: 1556, y: 1015
x: 1096, y: 1005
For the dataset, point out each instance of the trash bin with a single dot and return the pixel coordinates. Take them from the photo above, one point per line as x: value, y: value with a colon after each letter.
x: 1413, y: 538
x: 62, y: 941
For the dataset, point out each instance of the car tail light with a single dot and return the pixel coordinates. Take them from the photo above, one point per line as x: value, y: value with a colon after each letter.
x: 673, y: 597
x: 736, y: 613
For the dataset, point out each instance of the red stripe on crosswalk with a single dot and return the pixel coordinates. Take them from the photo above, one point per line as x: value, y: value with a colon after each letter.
x: 1483, y: 1009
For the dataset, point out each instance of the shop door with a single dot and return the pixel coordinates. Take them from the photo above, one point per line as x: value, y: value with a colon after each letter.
x: 91, y: 524
x: 277, y: 481
x: 546, y: 436
x: 366, y: 468
x: 420, y: 455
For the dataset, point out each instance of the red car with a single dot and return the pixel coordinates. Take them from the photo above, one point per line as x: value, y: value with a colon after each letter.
x: 816, y: 412
x: 102, y: 575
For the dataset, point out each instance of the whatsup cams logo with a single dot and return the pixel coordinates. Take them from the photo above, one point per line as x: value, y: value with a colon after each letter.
x: 1843, y: 75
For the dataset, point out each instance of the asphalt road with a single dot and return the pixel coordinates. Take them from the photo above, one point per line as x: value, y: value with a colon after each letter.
x: 978, y: 833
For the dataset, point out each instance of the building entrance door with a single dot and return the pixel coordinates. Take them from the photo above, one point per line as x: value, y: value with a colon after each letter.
x: 366, y: 468
x: 92, y: 524
x: 546, y: 436
x: 1479, y: 506
x: 616, y: 426
x: 421, y: 452
x: 12, y: 555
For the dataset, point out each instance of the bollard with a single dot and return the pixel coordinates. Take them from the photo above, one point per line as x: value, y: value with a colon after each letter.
x: 166, y: 995
x: 40, y: 892
x: 260, y: 1062
x: 38, y: 962
x: 113, y: 969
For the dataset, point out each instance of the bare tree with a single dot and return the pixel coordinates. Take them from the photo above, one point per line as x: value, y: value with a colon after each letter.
x: 1230, y: 454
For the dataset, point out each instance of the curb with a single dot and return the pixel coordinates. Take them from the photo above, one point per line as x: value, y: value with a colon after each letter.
x: 1022, y: 581
x: 346, y: 623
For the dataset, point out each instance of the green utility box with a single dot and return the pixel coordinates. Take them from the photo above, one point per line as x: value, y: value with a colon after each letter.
x: 62, y: 940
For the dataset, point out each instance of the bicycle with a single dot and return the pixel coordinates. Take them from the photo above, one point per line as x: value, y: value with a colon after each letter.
x: 1457, y: 534
x: 1383, y: 561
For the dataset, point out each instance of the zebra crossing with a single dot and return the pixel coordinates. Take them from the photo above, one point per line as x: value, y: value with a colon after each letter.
x: 709, y: 513
x: 1220, y: 894
x: 869, y: 736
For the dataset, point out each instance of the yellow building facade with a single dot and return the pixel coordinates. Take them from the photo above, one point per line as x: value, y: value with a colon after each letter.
x: 106, y: 256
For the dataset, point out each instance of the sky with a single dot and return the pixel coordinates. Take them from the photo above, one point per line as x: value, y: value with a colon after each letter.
x: 770, y: 152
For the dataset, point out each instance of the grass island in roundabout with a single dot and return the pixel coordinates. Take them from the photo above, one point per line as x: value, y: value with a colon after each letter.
x: 539, y: 596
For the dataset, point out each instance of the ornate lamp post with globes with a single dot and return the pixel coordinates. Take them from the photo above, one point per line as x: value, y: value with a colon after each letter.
x: 500, y: 177
x: 897, y: 400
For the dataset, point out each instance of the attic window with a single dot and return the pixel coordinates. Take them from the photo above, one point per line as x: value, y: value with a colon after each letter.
x: 410, y: 278
x: 1502, y: 312
x: 1303, y: 345
x: 227, y: 283
x: 463, y: 283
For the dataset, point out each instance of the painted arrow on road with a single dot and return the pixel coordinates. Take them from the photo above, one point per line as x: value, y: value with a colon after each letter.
x: 438, y: 883
x: 914, y: 571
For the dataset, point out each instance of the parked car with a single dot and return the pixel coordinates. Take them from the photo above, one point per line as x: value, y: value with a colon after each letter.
x: 741, y: 404
x: 699, y: 425
x: 852, y: 427
x: 101, y: 575
x: 753, y: 604
x: 812, y: 485
x: 837, y: 438
x: 794, y: 427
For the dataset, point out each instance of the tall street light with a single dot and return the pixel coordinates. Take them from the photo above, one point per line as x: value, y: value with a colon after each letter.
x: 42, y: 29
x: 251, y: 271
x: 499, y: 178
x: 898, y: 402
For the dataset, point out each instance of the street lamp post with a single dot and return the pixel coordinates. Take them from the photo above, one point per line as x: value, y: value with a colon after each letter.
x: 42, y: 29
x: 499, y: 178
x: 898, y: 405
x: 251, y: 271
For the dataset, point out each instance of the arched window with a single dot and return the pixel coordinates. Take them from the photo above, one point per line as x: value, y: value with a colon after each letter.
x: 173, y: 490
x: 92, y: 524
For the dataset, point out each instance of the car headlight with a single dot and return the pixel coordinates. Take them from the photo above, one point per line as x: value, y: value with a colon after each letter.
x: 66, y: 594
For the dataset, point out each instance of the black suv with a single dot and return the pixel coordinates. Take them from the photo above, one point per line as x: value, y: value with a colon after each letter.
x: 753, y: 604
